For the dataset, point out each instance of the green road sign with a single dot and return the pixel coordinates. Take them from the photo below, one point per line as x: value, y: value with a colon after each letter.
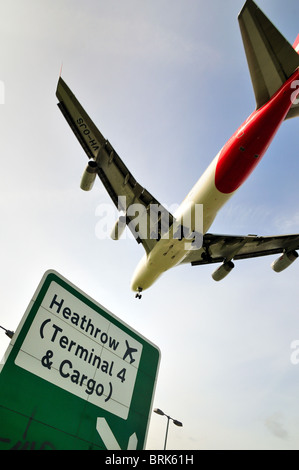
x: 75, y: 376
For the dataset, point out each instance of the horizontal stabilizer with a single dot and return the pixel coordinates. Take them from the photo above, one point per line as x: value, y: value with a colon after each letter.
x: 271, y: 58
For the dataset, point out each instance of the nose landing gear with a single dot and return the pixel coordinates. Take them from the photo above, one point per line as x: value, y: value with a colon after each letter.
x: 138, y: 295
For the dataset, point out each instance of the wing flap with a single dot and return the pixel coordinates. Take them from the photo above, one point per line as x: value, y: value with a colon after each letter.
x: 219, y: 248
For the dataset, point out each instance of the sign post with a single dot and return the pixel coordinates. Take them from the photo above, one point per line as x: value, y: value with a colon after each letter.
x: 75, y: 376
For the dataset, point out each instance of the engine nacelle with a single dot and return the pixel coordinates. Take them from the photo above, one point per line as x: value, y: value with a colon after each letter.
x: 118, y: 228
x: 223, y: 271
x: 284, y: 261
x: 89, y: 176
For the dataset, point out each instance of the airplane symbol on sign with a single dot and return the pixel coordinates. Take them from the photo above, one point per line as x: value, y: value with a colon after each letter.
x: 129, y: 352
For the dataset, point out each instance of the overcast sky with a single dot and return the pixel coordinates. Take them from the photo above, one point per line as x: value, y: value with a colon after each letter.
x: 166, y: 81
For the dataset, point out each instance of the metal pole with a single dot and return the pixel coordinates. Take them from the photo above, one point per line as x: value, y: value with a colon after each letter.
x: 168, y: 419
x: 7, y: 332
x: 175, y: 421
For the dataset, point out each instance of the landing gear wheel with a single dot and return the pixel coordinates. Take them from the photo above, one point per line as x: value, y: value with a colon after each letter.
x: 138, y: 295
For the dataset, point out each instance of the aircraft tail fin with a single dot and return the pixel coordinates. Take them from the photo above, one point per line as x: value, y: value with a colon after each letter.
x: 271, y: 58
x: 296, y: 44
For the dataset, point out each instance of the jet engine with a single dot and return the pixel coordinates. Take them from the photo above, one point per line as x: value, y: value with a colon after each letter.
x: 118, y: 228
x: 89, y: 176
x: 284, y: 261
x: 223, y: 271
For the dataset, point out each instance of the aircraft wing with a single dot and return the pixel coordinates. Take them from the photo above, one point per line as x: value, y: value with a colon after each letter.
x: 219, y: 248
x: 115, y: 176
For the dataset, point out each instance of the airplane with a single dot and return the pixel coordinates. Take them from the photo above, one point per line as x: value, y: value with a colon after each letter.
x: 129, y: 353
x: 168, y: 240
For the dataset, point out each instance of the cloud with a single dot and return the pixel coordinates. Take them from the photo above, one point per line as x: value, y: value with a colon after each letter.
x: 290, y: 223
x: 275, y: 427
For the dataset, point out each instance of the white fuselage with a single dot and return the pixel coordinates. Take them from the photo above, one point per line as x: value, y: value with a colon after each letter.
x: 227, y: 172
x: 171, y: 251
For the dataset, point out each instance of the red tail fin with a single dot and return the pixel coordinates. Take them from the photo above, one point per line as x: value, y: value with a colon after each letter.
x: 296, y: 44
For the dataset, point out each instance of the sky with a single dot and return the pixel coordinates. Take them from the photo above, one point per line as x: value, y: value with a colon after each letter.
x: 167, y: 82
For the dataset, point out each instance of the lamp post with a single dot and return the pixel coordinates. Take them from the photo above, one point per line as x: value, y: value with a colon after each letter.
x: 7, y: 332
x: 175, y: 421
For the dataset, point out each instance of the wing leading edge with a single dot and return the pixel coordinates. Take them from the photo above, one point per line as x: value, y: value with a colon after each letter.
x: 119, y: 182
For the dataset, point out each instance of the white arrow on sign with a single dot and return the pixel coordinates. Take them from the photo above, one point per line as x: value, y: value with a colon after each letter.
x: 108, y: 437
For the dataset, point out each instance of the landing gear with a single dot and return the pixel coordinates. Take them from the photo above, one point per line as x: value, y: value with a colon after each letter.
x: 138, y: 295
